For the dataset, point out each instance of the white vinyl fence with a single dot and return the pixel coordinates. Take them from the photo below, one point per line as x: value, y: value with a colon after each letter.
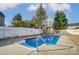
x: 6, y: 32
x: 73, y: 31
x: 70, y: 31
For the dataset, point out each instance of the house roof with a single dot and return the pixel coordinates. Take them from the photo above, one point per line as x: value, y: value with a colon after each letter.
x: 74, y: 24
x: 1, y: 14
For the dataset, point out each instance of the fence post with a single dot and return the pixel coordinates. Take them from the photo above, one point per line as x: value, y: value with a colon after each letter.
x: 17, y: 32
x: 4, y: 33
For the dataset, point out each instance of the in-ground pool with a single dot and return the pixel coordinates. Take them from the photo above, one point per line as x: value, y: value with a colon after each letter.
x: 49, y: 39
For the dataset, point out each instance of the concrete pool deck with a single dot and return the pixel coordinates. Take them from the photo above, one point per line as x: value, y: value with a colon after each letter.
x: 64, y: 47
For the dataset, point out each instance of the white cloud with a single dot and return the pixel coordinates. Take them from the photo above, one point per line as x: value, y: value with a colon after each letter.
x: 34, y: 7
x: 55, y: 7
x: 4, y: 6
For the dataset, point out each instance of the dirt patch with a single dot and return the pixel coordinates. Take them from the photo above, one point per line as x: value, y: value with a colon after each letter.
x: 74, y: 38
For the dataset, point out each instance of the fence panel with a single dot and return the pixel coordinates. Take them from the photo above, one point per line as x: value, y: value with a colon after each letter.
x: 10, y: 32
x: 6, y: 32
x: 2, y: 32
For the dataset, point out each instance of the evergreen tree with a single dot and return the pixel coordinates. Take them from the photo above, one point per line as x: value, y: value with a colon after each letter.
x: 17, y: 17
x: 40, y: 15
x: 17, y: 20
x: 60, y: 21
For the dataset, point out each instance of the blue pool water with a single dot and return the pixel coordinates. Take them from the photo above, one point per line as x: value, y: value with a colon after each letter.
x: 49, y: 39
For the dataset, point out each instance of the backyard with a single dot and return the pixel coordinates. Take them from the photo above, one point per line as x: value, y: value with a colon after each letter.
x: 39, y: 30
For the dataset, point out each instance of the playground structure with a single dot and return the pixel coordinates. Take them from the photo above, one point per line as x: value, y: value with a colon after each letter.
x: 46, y: 27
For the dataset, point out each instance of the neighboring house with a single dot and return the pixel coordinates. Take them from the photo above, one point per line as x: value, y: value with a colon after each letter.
x: 74, y: 26
x: 2, y: 19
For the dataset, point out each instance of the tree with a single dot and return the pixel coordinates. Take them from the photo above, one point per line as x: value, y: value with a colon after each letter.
x: 33, y: 24
x: 40, y: 15
x: 17, y: 20
x: 60, y: 21
x: 26, y: 23
x: 17, y: 17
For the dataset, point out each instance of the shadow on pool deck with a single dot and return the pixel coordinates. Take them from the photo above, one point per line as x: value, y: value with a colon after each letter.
x: 64, y: 48
x: 8, y: 41
x: 67, y: 47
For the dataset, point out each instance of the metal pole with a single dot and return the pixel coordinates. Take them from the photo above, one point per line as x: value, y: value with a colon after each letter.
x: 37, y: 44
x: 4, y: 32
x: 37, y: 39
x: 17, y: 31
